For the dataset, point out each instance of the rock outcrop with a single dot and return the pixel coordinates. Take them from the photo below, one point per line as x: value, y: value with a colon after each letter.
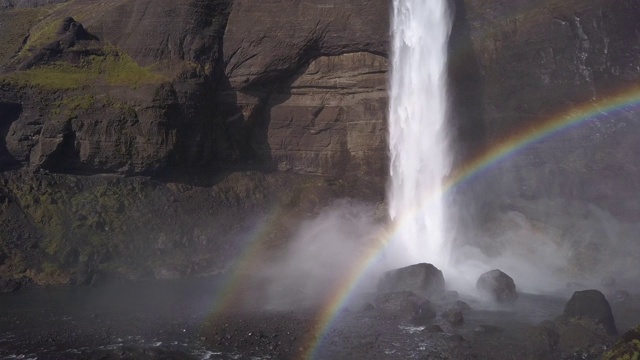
x: 149, y: 88
x: 301, y: 86
x: 122, y: 87
x: 422, y: 279
x: 591, y: 305
x: 307, y: 84
x: 534, y: 65
x: 497, y: 286
x: 586, y: 327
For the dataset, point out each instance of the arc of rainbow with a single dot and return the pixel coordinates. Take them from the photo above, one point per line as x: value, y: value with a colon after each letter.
x: 623, y: 100
x: 242, y: 265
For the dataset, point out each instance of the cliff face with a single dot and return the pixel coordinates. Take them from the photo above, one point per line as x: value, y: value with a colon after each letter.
x: 163, y: 88
x: 307, y: 82
x: 124, y: 87
x: 298, y: 86
x: 537, y: 61
x: 148, y: 88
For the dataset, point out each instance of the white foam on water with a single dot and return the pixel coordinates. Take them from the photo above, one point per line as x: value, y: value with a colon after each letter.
x: 411, y: 329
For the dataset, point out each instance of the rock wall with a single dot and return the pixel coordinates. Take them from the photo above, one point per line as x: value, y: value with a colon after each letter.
x: 191, y: 89
x: 306, y: 84
x: 329, y: 120
x: 574, y: 188
x: 93, y: 90
x: 133, y: 95
x: 151, y: 88
x: 296, y: 86
x: 535, y: 61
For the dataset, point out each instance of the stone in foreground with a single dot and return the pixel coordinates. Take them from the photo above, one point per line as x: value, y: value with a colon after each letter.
x: 591, y: 305
x: 408, y: 306
x: 422, y: 279
x: 498, y: 286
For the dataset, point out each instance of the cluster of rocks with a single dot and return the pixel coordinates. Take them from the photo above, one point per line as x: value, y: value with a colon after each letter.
x: 417, y: 295
x: 407, y: 293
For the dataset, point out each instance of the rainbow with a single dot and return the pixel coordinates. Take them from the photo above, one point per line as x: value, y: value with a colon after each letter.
x: 228, y: 289
x: 624, y: 100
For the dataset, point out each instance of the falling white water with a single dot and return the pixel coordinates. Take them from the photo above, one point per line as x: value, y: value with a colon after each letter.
x: 418, y: 136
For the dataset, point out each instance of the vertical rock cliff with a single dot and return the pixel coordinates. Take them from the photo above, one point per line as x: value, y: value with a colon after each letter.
x: 536, y: 61
x: 238, y: 102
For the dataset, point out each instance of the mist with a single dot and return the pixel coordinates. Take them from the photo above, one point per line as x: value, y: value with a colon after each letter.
x: 531, y: 254
x: 546, y: 245
x: 323, y: 252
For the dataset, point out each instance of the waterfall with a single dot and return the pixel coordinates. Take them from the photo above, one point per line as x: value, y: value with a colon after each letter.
x: 420, y: 158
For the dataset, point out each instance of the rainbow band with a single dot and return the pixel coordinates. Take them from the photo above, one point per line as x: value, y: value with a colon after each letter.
x: 590, y: 111
x: 623, y: 100
x: 228, y: 289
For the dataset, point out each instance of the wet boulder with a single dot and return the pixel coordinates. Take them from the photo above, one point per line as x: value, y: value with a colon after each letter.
x: 497, y: 285
x: 591, y: 305
x: 585, y: 328
x: 407, y: 306
x: 460, y: 305
x: 422, y: 279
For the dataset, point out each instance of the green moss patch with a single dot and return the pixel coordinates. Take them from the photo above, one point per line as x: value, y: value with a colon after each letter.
x: 626, y: 349
x: 115, y: 68
x: 77, y: 103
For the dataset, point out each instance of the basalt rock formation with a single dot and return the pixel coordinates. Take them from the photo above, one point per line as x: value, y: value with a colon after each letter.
x: 560, y: 78
x: 587, y: 54
x: 131, y: 88
x: 537, y: 62
x: 189, y: 91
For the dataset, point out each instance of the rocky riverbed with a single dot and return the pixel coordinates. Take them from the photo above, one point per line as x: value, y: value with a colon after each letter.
x: 181, y: 319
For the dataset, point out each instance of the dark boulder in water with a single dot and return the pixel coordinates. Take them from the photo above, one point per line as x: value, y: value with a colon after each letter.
x: 422, y: 279
x: 585, y: 329
x: 497, y: 285
x: 591, y: 305
x: 407, y: 306
x: 460, y: 305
